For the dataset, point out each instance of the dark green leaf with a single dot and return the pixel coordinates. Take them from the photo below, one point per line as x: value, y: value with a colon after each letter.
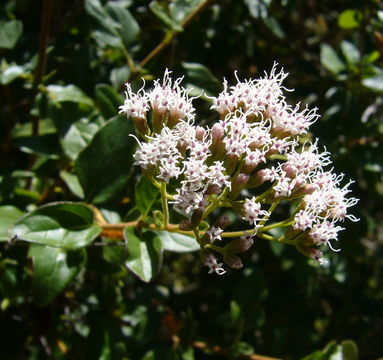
x: 47, y: 145
x: 161, y: 13
x: 8, y: 216
x: 330, y: 60
x: 104, y: 165
x: 274, y: 27
x: 53, y: 269
x: 350, y: 19
x: 63, y: 224
x: 106, y: 40
x: 107, y: 100
x: 201, y: 77
x: 144, y: 254
x: 177, y: 242
x: 10, y: 32
x: 146, y: 194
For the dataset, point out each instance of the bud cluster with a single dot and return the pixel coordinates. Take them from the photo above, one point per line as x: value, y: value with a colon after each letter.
x: 255, y: 142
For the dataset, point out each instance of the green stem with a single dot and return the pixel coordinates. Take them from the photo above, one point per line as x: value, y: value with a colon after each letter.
x: 219, y: 249
x: 215, y: 203
x: 164, y: 203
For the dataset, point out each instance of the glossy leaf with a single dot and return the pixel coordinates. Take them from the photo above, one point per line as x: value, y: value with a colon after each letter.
x: 144, y: 253
x: 8, y: 215
x: 53, y: 269
x: 104, y: 165
x: 330, y: 60
x: 63, y: 224
x: 146, y: 194
x: 10, y: 32
x: 177, y: 242
x: 71, y: 180
x: 68, y: 93
x: 374, y: 83
x: 129, y: 28
x: 350, y: 52
x: 11, y: 73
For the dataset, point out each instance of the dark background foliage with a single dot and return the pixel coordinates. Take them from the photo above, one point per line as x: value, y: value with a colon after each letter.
x: 63, y: 66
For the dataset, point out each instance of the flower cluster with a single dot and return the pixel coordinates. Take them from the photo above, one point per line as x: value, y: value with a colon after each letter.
x: 255, y: 144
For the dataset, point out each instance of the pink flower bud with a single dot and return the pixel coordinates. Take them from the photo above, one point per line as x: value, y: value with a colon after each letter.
x: 238, y: 184
x: 233, y: 261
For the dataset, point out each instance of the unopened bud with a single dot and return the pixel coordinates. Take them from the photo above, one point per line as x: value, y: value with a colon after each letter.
x: 311, y: 253
x: 200, y: 133
x: 233, y: 261
x: 230, y: 163
x: 222, y: 222
x: 213, y: 190
x: 255, y: 180
x: 238, y: 184
x: 242, y: 244
x: 141, y: 125
x: 217, y: 147
x: 196, y: 217
x: 186, y: 225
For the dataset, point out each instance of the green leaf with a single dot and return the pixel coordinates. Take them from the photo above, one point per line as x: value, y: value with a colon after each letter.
x: 118, y: 76
x: 107, y: 100
x: 350, y: 19
x: 374, y: 83
x: 71, y: 180
x: 198, y: 75
x: 145, y: 195
x: 350, y: 52
x: 8, y: 216
x: 68, y: 93
x: 104, y: 165
x: 62, y: 224
x: 180, y: 9
x: 330, y: 60
x: 176, y: 242
x: 144, y: 254
x: 11, y: 73
x: 10, y: 32
x: 95, y: 9
x: 77, y: 136
x: 129, y: 29
x: 47, y: 145
x: 161, y: 13
x: 350, y: 350
x: 106, y: 40
x: 53, y: 269
x: 273, y: 25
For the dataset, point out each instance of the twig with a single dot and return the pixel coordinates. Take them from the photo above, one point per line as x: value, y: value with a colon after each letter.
x: 42, y: 58
x: 218, y: 350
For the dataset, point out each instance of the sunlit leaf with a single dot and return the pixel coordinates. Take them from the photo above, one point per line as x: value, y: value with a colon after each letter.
x: 9, y: 215
x: 144, y: 253
x: 330, y: 60
x: 350, y: 19
x: 62, y: 224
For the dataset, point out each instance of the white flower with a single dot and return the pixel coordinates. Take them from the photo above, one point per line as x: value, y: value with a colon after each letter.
x: 252, y: 211
x: 214, y: 233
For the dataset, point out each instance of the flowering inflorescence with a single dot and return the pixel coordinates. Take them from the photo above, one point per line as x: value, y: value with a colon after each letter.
x: 256, y: 144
